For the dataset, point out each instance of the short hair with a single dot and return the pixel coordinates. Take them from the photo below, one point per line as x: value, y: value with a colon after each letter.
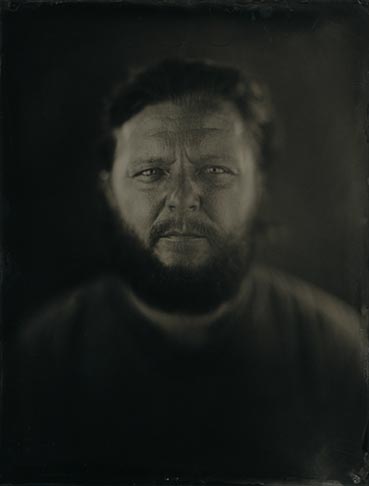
x: 178, y: 80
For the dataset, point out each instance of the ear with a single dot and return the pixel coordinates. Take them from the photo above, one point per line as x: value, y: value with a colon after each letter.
x: 106, y: 187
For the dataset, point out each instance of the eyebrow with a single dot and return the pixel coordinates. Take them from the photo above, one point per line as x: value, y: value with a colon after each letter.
x: 215, y: 157
x: 151, y: 161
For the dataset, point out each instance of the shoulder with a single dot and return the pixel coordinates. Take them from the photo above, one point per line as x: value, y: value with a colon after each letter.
x: 321, y: 338
x: 294, y: 297
x: 64, y: 319
x: 313, y: 320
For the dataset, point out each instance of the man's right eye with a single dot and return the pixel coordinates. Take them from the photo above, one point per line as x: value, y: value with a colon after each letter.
x: 150, y: 174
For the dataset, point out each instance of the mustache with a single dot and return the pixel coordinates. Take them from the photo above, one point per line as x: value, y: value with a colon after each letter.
x: 199, y: 228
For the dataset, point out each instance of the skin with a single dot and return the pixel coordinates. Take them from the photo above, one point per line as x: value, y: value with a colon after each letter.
x: 187, y: 164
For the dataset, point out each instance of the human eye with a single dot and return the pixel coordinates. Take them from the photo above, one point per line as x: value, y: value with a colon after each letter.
x: 217, y: 175
x: 150, y: 175
x: 216, y: 170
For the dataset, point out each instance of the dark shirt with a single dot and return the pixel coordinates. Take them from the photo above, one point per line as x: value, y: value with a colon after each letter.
x: 278, y: 391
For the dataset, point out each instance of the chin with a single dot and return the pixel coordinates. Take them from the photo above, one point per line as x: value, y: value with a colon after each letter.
x: 184, y: 263
x: 187, y: 255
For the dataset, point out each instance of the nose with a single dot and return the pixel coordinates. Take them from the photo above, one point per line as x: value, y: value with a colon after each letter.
x: 183, y: 195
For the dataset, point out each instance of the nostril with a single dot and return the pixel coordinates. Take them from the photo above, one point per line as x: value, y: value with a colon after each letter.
x: 183, y: 199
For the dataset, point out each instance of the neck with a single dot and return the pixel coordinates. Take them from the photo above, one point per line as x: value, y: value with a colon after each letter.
x: 191, y: 330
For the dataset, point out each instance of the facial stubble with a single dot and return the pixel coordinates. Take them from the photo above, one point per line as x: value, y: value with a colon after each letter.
x: 178, y: 288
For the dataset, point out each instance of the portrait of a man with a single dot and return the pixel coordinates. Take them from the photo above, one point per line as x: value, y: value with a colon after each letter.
x: 187, y: 357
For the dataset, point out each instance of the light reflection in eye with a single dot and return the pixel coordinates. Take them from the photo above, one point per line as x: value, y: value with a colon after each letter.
x: 217, y: 170
x: 149, y: 172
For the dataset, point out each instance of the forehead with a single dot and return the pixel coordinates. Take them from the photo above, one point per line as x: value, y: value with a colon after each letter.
x: 195, y: 124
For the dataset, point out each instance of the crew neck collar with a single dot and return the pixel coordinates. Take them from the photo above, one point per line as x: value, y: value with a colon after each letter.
x: 191, y: 331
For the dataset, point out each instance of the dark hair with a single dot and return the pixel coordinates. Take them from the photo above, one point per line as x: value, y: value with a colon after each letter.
x: 179, y: 80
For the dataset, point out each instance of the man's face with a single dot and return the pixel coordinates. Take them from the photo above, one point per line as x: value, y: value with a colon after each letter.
x: 185, y: 180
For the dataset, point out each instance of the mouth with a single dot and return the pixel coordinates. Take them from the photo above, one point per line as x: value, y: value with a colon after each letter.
x: 182, y: 248
x: 177, y: 235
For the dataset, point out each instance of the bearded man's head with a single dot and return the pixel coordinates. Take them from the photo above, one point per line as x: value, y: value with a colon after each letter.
x: 186, y: 144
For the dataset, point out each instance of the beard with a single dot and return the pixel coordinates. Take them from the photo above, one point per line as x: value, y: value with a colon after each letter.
x: 177, y: 288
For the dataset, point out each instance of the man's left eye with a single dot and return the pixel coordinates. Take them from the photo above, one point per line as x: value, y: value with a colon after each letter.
x: 216, y: 170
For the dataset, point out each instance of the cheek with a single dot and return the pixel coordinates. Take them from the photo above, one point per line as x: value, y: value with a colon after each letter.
x: 231, y: 208
x: 138, y: 209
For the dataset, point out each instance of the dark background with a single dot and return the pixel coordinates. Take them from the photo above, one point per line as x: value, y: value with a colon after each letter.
x: 58, y: 64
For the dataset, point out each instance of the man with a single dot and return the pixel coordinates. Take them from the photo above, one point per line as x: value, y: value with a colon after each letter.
x: 187, y: 360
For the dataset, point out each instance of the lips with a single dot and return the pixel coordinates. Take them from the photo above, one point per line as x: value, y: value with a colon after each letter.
x: 179, y: 235
x: 172, y: 231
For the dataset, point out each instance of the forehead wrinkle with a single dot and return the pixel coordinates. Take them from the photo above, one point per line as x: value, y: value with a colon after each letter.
x: 194, y: 131
x: 192, y: 128
x: 193, y: 141
x: 184, y: 122
x: 170, y: 116
x: 192, y: 136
